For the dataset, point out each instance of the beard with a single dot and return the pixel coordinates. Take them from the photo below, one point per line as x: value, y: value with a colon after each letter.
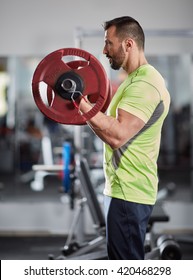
x: 117, y: 60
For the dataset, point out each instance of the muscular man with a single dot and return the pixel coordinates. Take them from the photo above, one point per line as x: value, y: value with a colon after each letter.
x: 131, y: 132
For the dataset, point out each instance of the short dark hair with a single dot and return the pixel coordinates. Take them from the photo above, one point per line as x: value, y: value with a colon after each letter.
x: 127, y: 27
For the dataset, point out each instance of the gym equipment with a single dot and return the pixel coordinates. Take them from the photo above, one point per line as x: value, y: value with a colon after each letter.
x: 75, y: 64
x: 67, y: 82
x: 49, y: 168
x: 164, y: 248
x: 40, y: 172
x: 169, y: 248
x: 66, y: 156
x: 94, y: 249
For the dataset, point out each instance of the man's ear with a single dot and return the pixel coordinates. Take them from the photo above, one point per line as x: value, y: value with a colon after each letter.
x: 128, y: 43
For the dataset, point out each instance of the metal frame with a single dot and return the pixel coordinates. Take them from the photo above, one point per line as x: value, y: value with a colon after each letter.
x: 81, y: 33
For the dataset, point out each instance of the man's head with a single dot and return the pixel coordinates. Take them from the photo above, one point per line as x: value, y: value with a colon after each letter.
x: 120, y: 34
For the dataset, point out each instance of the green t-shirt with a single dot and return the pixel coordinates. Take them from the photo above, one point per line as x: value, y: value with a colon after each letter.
x: 131, y: 170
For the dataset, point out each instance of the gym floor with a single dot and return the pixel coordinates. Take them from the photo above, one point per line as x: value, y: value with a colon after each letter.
x: 34, y: 247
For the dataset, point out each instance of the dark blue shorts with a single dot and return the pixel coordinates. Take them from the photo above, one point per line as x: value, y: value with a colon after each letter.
x: 126, y: 225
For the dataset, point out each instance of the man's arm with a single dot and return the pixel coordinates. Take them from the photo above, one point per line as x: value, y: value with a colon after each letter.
x: 113, y: 131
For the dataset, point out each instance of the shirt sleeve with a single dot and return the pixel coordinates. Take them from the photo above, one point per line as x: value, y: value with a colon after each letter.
x: 140, y: 99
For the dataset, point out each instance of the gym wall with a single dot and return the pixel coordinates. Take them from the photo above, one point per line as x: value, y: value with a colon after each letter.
x: 39, y: 27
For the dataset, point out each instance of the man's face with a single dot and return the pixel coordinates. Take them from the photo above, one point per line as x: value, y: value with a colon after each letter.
x: 113, y: 49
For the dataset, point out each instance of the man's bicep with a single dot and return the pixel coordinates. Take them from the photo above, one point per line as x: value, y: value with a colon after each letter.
x: 129, y: 123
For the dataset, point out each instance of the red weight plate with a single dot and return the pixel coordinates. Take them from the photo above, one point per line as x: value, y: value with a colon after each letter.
x: 75, y: 64
x: 92, y: 98
x: 52, y: 67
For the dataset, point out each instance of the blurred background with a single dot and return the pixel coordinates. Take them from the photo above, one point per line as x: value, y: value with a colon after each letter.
x: 35, y: 212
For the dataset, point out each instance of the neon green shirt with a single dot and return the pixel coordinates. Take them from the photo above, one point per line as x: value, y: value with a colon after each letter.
x: 131, y: 170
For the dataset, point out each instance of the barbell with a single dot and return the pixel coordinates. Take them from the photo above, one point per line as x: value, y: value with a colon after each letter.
x: 58, y: 86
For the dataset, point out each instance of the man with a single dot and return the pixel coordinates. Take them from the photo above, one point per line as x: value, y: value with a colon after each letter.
x: 131, y: 131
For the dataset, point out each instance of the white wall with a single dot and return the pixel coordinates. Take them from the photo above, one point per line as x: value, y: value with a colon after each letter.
x: 41, y: 26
